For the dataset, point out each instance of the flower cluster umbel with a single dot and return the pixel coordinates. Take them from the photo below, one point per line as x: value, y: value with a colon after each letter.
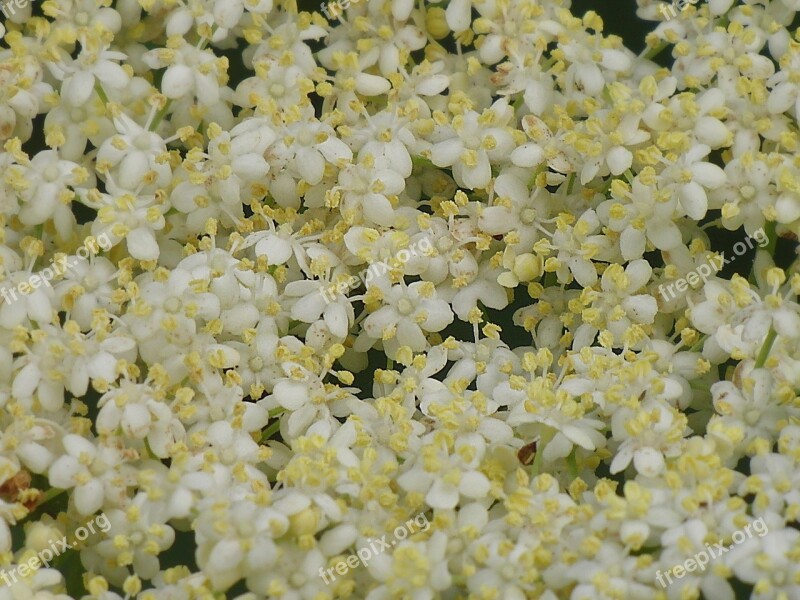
x: 565, y: 430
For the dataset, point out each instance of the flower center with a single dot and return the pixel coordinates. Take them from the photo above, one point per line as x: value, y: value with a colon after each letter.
x: 528, y: 216
x: 404, y: 306
x: 172, y: 305
x: 277, y: 90
x: 219, y: 264
x: 256, y: 363
x: 142, y: 141
x: 51, y: 173
x: 82, y: 18
x: 444, y: 244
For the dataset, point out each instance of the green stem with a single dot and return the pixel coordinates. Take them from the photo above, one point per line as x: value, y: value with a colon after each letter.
x: 150, y: 452
x: 772, y: 237
x: 50, y: 494
x: 101, y: 92
x: 269, y: 431
x: 421, y: 161
x: 572, y: 462
x: 765, y: 349
x: 698, y: 344
x: 537, y: 460
x: 651, y: 53
x: 160, y: 115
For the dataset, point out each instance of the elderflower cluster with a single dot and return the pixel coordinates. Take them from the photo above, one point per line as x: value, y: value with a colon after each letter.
x: 567, y: 431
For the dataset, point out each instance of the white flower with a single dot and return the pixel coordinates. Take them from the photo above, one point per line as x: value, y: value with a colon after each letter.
x: 49, y: 179
x: 747, y: 414
x: 367, y: 189
x: 692, y: 177
x: 134, y: 154
x: 469, y: 146
x: 647, y: 445
x: 409, y: 312
x: 86, y: 467
x: 191, y: 71
x: 92, y: 66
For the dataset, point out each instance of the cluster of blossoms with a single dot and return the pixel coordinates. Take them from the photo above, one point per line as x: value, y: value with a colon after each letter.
x: 567, y: 431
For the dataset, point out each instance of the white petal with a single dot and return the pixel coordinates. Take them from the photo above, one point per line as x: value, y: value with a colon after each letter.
x: 63, y: 471
x: 442, y: 495
x: 227, y: 13
x: 615, y: 60
x: 88, y: 497
x: 787, y: 208
x: 641, y: 309
x: 578, y: 436
x: 371, y: 85
x: 226, y: 555
x: 78, y: 88
x: 459, y: 15
x: 528, y: 155
x: 142, y: 244
x: 648, y: 461
x: 275, y: 248
x: 632, y: 243
x: 291, y: 394
x: 178, y: 81
x: 311, y: 165
x: 479, y: 176
x: 713, y: 132
x: 694, y: 200
x: 336, y: 319
x: 26, y: 381
x: 446, y: 153
x: 474, y: 484
x: 782, y: 98
x: 708, y: 175
x: 621, y: 460
x: 433, y: 85
x: 378, y: 209
x: 619, y: 160
x: 135, y: 421
x: 665, y: 235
